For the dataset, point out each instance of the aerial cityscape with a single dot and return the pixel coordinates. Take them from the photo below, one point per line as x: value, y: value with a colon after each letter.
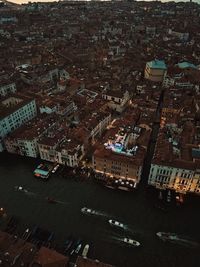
x: 99, y: 134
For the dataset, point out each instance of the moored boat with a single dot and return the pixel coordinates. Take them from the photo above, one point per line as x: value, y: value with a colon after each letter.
x: 68, y: 245
x: 169, y: 196
x: 77, y: 250
x: 110, y: 186
x: 55, y: 168
x: 85, y: 251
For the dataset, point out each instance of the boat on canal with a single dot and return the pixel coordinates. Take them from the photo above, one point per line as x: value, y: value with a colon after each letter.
x: 68, y: 245
x: 85, y: 251
x: 168, y: 236
x: 42, y: 171
x: 116, y: 224
x: 88, y: 211
x: 75, y: 246
x: 169, y: 196
x: 78, y: 248
x: 110, y: 186
x: 131, y: 242
x: 51, y: 200
x: 55, y: 168
x: 21, y: 188
x: 178, y: 239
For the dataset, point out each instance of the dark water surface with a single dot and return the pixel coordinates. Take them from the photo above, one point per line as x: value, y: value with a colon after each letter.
x: 136, y: 210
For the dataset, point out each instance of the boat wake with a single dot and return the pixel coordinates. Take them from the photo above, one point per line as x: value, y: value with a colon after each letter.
x: 62, y: 202
x: 32, y: 194
x: 178, y: 239
x: 94, y: 213
x: 102, y: 214
x: 25, y: 191
x: 29, y: 193
x: 186, y: 242
x: 117, y: 239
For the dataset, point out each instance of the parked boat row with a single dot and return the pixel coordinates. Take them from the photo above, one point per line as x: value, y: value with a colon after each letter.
x: 44, y: 170
x: 168, y: 196
x: 74, y: 247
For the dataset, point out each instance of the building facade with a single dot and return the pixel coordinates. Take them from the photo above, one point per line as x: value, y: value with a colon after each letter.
x: 7, y: 88
x: 118, y: 100
x: 14, y: 112
x: 181, y: 180
x: 155, y: 70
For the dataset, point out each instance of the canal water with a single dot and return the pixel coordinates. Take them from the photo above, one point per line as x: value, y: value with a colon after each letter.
x: 136, y: 210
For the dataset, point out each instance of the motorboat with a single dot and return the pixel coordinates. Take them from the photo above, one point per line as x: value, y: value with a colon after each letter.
x: 55, y: 168
x: 116, y: 224
x: 51, y: 200
x: 85, y: 251
x: 169, y: 196
x: 167, y: 236
x: 68, y: 245
x: 131, y: 242
x: 88, y: 211
x: 75, y: 246
x: 21, y: 188
x: 77, y: 250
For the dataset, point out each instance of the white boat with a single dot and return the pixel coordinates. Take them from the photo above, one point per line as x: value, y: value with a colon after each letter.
x: 116, y: 224
x: 78, y: 248
x: 55, y: 168
x: 168, y: 196
x: 88, y: 211
x: 131, y: 242
x: 85, y: 251
x: 20, y: 188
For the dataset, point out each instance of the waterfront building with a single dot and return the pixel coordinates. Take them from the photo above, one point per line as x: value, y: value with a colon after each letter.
x: 61, y: 146
x: 155, y: 70
x: 24, y: 140
x: 176, y: 160
x: 7, y: 87
x: 15, y: 111
x: 122, y: 153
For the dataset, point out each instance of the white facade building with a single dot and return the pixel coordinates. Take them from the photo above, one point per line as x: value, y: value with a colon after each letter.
x: 117, y: 99
x: 14, y: 112
x: 181, y: 180
x: 24, y: 140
